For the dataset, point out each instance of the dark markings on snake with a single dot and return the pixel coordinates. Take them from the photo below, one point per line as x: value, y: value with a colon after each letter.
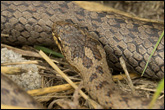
x: 32, y: 102
x: 92, y: 77
x: 102, y: 14
x: 125, y: 99
x: 101, y: 84
x: 18, y: 91
x: 99, y: 70
x: 120, y: 21
x: 87, y: 62
x: 135, y: 28
x: 109, y: 92
x: 92, y: 44
x: 4, y: 91
x: 14, y: 101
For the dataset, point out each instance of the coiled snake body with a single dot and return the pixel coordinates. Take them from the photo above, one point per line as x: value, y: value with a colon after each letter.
x: 31, y: 22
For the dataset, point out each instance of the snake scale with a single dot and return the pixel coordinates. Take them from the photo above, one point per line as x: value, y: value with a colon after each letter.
x: 30, y: 22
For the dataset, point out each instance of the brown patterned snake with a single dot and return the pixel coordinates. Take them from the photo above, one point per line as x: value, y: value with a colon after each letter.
x: 31, y: 22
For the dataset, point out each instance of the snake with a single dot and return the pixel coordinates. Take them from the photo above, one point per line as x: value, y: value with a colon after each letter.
x: 12, y: 94
x: 103, y: 38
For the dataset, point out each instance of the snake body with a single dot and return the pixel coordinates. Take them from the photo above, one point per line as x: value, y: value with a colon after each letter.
x: 30, y: 22
x: 12, y: 94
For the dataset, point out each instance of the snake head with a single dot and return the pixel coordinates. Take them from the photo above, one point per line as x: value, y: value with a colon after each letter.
x: 73, y: 40
x: 66, y: 34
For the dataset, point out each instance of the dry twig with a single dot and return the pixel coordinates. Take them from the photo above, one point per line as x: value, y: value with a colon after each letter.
x: 122, y: 62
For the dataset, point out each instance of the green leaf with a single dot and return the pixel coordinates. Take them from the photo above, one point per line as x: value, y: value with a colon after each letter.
x: 157, y: 93
x: 48, y: 51
x: 153, y: 52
